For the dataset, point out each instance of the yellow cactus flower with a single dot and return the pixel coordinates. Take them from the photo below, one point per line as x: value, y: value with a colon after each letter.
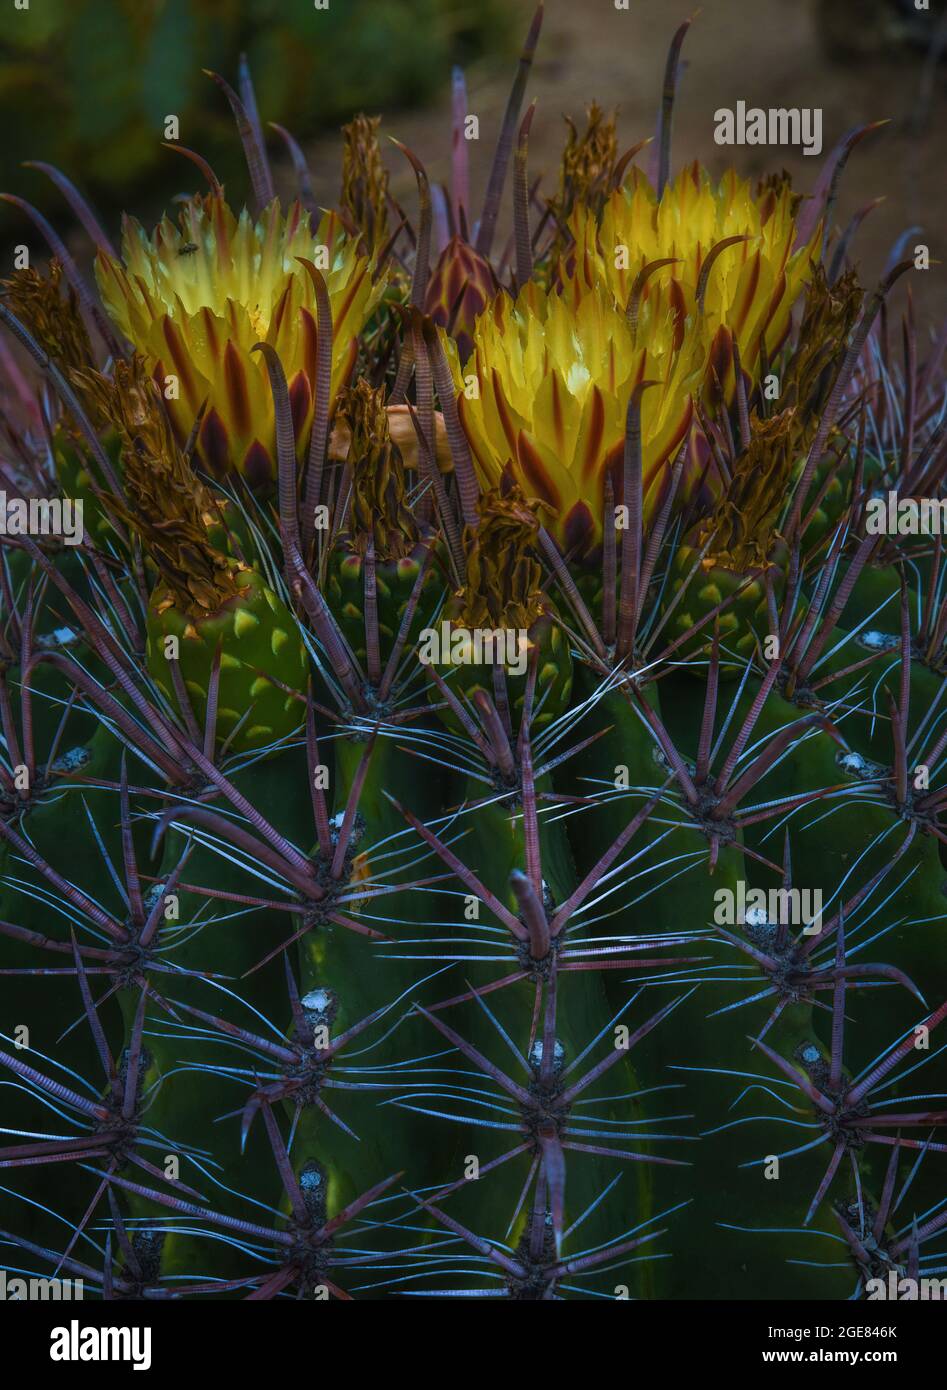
x: 194, y: 299
x: 544, y: 397
x: 752, y: 285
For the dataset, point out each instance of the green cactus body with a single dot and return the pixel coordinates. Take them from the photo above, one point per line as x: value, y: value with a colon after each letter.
x: 455, y: 650
x: 764, y: 1214
x: 263, y: 663
x: 364, y: 976
x: 691, y: 1046
x: 229, y: 530
x: 78, y: 483
x: 623, y: 757
x: 50, y: 690
x: 875, y: 600
x: 743, y: 624
x: 182, y: 1093
x: 494, y: 848
x: 833, y: 479
x: 823, y: 519
x: 395, y: 582
x: 851, y: 840
x: 870, y: 731
x: 56, y: 824
x: 59, y: 828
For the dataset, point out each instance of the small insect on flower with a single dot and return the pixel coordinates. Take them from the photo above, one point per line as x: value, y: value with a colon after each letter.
x: 188, y: 249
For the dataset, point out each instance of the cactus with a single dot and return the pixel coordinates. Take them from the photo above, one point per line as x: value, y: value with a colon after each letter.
x: 361, y: 958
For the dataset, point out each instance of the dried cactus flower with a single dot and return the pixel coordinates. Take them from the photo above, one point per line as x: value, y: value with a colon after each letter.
x: 402, y: 433
x: 587, y: 163
x: 364, y: 196
x: 503, y: 586
x: 379, y: 510
x: 828, y: 317
x: 164, y: 500
x: 502, y: 595
x: 741, y: 529
x: 51, y: 316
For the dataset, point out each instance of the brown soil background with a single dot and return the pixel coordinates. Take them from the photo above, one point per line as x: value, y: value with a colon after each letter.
x: 765, y: 52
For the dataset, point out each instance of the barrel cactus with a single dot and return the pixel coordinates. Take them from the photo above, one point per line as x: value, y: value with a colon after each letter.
x: 472, y: 806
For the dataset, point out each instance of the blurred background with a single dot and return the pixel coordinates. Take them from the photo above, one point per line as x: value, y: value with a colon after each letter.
x: 87, y: 84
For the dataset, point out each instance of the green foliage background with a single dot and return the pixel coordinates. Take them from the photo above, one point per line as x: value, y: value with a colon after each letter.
x: 87, y: 84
